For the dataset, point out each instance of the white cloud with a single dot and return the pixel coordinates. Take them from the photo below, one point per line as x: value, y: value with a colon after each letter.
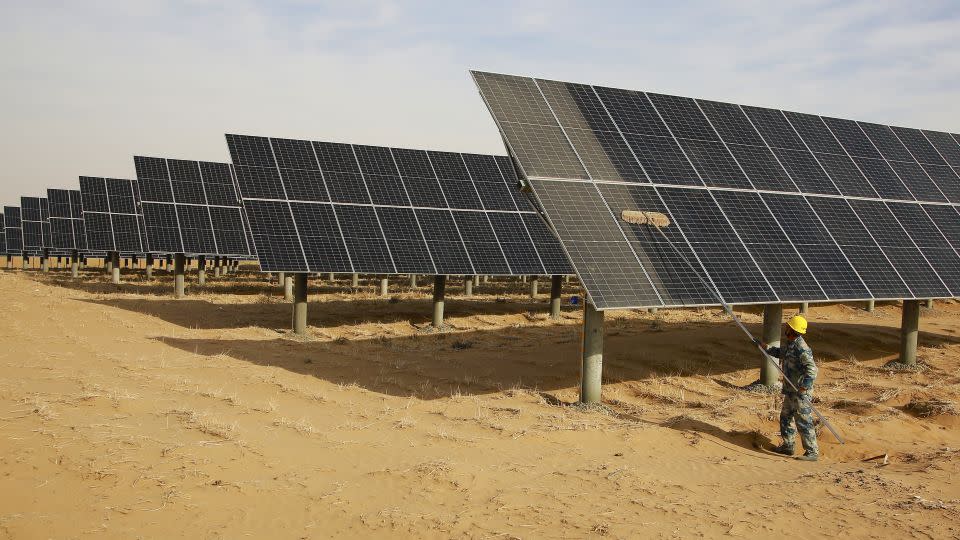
x: 87, y: 85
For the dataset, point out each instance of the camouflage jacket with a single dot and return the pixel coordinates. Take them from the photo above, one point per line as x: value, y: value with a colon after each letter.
x: 796, y: 360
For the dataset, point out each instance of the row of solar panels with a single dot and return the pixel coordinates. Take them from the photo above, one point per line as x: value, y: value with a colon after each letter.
x: 107, y: 215
x: 764, y: 205
x: 306, y: 207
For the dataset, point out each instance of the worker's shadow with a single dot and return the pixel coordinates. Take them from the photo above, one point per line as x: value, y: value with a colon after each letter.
x: 696, y: 429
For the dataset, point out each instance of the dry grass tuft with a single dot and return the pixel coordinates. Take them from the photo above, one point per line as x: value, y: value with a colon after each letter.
x: 205, y: 423
x: 932, y: 407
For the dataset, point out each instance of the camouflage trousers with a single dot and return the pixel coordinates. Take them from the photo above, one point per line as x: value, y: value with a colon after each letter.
x: 796, y: 408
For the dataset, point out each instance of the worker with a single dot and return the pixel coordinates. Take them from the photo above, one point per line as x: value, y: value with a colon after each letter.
x: 796, y: 361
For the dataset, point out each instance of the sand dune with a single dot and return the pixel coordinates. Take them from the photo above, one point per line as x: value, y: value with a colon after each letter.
x: 125, y: 413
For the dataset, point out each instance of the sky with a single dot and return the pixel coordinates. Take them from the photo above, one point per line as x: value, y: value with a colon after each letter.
x: 86, y: 85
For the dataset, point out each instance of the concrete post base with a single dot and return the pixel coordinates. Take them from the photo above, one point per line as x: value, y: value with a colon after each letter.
x: 149, y: 267
x: 772, y: 322
x: 929, y: 303
x: 115, y: 273
x: 384, y: 286
x: 179, y: 270
x: 468, y: 286
x: 909, y: 329
x: 871, y: 305
x: 652, y: 310
x: 300, y: 304
x: 332, y: 277
x: 281, y: 278
x: 591, y: 369
x: 439, y: 289
x: 804, y: 308
x: 413, y: 281
x: 533, y: 286
x: 355, y: 281
x: 556, y: 287
x: 288, y: 287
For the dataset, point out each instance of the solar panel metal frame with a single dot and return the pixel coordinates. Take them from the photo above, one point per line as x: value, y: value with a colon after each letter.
x: 101, y: 219
x: 156, y: 169
x: 536, y: 137
x: 35, y: 225
x: 66, y: 220
x: 342, y: 183
x: 12, y: 226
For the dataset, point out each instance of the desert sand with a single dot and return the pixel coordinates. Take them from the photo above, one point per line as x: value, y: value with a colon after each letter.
x: 125, y: 413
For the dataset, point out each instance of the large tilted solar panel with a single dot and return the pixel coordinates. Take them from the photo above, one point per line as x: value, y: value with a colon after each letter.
x: 3, y: 235
x: 66, y: 220
x: 35, y: 224
x: 111, y: 217
x: 12, y: 228
x: 766, y: 205
x: 191, y: 207
x: 331, y: 207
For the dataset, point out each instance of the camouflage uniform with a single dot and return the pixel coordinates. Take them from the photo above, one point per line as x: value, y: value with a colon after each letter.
x: 796, y: 360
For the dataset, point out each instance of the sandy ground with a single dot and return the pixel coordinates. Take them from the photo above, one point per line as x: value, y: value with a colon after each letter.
x: 127, y: 414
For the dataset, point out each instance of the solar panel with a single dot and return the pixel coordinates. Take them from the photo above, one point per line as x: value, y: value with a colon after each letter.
x: 12, y: 226
x: 111, y: 216
x: 331, y: 207
x: 191, y: 207
x: 66, y: 220
x: 35, y: 224
x: 3, y: 236
x: 766, y: 205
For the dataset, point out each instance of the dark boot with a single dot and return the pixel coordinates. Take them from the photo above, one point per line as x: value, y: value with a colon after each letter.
x: 809, y: 456
x: 785, y: 449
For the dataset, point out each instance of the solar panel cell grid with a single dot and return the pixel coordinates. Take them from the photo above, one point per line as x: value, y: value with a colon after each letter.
x: 400, y: 211
x: 204, y: 217
x: 680, y: 141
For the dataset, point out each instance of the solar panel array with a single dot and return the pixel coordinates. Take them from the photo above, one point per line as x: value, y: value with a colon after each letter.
x: 13, y: 232
x: 35, y: 224
x: 3, y: 236
x: 66, y: 220
x: 191, y: 207
x: 111, y: 216
x: 331, y: 207
x: 767, y: 205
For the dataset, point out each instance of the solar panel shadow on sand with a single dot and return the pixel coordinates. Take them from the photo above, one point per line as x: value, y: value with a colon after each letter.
x: 752, y: 205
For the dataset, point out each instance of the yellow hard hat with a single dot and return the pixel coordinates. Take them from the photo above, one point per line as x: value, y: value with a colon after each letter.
x: 798, y: 323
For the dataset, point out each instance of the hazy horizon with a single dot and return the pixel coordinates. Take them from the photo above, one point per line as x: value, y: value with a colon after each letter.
x: 89, y: 85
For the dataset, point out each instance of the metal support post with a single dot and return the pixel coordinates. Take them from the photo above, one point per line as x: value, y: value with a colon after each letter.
x: 149, y: 266
x: 202, y: 270
x: 468, y: 286
x: 74, y: 264
x: 772, y: 323
x: 804, y: 307
x: 909, y: 329
x: 591, y: 370
x: 179, y: 262
x: 439, y: 288
x: 288, y: 287
x: 871, y: 304
x: 115, y: 256
x: 556, y: 288
x: 300, y: 304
